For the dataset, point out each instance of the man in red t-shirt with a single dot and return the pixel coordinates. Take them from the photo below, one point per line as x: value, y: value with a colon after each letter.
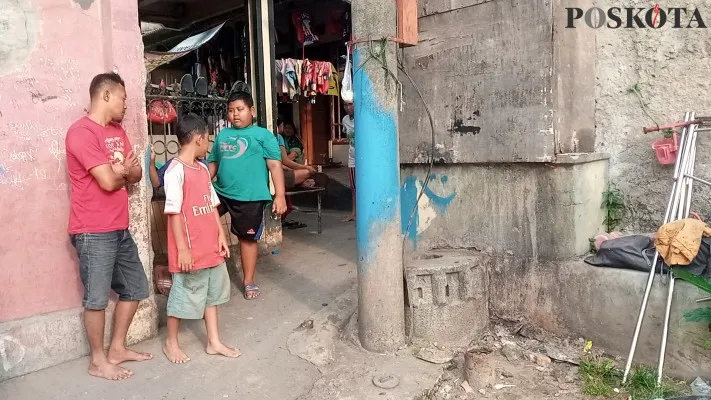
x: 101, y: 164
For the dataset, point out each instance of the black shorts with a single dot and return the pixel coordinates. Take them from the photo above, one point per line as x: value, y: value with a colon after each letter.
x: 289, y: 179
x: 247, y: 217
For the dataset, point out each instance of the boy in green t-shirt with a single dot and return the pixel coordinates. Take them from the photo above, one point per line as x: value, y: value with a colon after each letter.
x: 241, y: 158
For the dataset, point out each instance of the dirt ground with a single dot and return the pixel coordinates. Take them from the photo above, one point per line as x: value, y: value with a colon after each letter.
x: 514, y: 362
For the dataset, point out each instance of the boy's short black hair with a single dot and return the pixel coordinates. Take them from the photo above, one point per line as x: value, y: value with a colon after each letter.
x: 244, y: 96
x: 102, y: 80
x: 188, y: 126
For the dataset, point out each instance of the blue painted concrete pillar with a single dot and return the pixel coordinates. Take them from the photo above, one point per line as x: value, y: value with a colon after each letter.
x: 381, y: 309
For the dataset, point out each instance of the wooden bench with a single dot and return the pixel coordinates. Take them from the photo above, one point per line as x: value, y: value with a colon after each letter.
x: 319, y: 191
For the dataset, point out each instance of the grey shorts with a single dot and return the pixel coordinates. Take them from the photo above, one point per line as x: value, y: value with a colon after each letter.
x: 109, y: 261
x: 192, y: 293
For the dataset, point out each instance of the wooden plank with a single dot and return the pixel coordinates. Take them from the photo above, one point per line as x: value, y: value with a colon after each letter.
x: 407, y: 22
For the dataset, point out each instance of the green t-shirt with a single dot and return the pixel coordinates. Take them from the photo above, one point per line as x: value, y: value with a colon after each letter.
x: 240, y: 154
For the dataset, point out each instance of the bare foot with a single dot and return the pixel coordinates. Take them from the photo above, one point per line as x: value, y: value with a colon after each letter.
x: 221, y: 349
x: 123, y: 355
x: 109, y: 371
x: 348, y: 218
x: 175, y: 354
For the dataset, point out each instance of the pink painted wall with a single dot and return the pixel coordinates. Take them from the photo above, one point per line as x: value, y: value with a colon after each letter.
x: 49, y: 51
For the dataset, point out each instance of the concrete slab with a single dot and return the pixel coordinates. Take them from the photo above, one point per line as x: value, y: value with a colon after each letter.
x: 309, y: 271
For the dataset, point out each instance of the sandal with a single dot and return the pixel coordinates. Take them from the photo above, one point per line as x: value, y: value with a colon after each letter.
x: 251, y: 288
x: 297, y: 225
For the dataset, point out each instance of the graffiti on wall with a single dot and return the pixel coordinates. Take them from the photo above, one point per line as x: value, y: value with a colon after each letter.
x: 418, y: 216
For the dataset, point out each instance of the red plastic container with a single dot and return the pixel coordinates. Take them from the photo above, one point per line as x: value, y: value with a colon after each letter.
x: 666, y: 149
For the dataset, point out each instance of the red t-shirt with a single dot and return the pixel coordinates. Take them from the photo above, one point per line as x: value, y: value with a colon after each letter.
x: 189, y: 192
x: 94, y: 210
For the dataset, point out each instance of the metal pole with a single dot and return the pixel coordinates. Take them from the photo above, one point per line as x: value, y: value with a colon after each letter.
x: 687, y: 187
x: 381, y: 311
x: 650, y: 279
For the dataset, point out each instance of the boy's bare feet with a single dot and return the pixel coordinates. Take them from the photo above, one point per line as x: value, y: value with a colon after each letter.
x: 221, y: 349
x: 118, y: 356
x: 109, y: 371
x: 174, y: 353
x: 348, y: 218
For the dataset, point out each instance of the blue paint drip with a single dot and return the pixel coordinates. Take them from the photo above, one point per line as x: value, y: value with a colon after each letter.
x: 377, y: 164
x: 408, y: 201
x: 444, y: 179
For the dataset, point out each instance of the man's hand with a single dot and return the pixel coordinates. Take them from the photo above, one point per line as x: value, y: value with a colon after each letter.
x: 153, y: 155
x: 120, y: 169
x: 311, y: 169
x: 131, y: 161
x: 279, y: 206
x: 224, y: 247
x: 185, y: 260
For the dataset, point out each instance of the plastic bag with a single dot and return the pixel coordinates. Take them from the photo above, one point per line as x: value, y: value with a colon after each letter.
x: 347, y: 83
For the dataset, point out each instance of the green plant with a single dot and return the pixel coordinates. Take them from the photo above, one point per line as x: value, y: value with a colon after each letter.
x: 614, y: 204
x: 601, y: 378
x: 702, y: 314
x: 668, y: 133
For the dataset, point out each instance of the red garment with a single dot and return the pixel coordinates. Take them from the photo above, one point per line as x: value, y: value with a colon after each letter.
x: 189, y: 192
x: 323, y: 76
x: 88, y: 145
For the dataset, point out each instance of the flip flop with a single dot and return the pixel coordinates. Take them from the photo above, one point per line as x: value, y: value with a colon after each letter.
x: 297, y: 225
x: 251, y: 288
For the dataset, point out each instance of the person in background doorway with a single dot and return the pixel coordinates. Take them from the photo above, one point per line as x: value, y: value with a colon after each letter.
x: 197, y: 246
x: 292, y: 143
x: 241, y: 159
x: 349, y: 130
x: 100, y: 164
x: 295, y: 174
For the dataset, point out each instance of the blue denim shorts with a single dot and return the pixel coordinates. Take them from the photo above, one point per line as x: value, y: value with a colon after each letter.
x: 109, y: 261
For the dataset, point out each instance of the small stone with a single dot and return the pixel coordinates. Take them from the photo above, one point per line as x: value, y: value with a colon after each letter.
x: 482, y: 391
x: 511, y: 352
x: 435, y: 356
x: 386, y: 381
x: 540, y: 359
x: 308, y: 324
x: 466, y: 387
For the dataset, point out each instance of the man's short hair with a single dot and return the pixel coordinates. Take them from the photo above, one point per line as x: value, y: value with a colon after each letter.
x: 188, y: 126
x: 102, y: 80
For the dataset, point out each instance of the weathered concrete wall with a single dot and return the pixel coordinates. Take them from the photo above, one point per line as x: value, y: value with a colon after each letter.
x: 602, y: 304
x: 546, y: 211
x: 49, y: 51
x: 484, y: 69
x: 672, y: 69
x: 573, y: 89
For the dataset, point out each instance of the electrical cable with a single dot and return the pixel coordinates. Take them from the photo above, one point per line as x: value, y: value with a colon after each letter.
x: 425, y: 184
